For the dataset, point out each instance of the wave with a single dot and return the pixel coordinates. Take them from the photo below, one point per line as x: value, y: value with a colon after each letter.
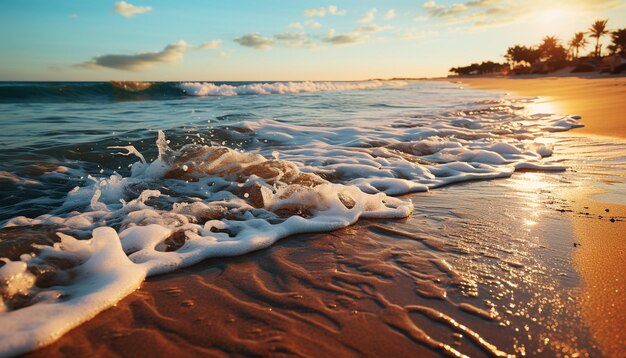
x: 202, y: 201
x: 211, y: 89
x: 11, y: 92
x: 251, y: 202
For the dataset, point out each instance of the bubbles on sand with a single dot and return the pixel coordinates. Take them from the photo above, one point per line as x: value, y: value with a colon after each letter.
x: 200, y: 201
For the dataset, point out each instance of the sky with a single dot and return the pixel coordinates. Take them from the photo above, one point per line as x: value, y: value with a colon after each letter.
x: 256, y: 40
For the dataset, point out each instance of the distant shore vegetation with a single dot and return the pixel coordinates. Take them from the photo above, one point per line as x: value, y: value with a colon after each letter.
x: 553, y: 55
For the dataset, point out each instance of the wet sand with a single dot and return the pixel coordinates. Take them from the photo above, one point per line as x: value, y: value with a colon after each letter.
x: 600, y: 101
x: 513, y: 266
x: 601, y: 259
x: 480, y: 269
x: 601, y: 255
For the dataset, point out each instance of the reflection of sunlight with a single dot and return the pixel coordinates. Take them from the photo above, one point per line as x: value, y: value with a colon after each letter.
x: 543, y: 106
x: 530, y: 186
x: 529, y: 222
x: 545, y: 140
x: 532, y: 182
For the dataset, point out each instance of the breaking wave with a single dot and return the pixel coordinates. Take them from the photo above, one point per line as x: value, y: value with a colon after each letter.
x: 132, y: 90
x: 205, y: 199
x: 211, y: 89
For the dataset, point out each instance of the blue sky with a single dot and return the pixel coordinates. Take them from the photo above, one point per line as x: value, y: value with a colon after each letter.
x: 275, y: 39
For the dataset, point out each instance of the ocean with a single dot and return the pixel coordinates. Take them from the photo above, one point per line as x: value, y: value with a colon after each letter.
x: 104, y: 185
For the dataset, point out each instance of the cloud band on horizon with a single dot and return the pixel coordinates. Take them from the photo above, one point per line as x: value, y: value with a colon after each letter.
x: 171, y: 53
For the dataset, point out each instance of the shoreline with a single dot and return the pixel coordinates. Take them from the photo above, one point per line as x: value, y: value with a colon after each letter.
x: 601, y: 249
x: 379, y: 287
x: 599, y: 100
x: 497, y: 257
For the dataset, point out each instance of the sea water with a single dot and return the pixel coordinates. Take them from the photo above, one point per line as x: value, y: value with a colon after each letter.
x: 102, y: 186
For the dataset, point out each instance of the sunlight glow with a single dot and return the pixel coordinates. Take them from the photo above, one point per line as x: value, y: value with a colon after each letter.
x: 544, y: 105
x: 555, y: 21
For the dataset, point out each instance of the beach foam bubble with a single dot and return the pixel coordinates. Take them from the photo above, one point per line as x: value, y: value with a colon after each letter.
x: 201, y: 201
x: 229, y: 203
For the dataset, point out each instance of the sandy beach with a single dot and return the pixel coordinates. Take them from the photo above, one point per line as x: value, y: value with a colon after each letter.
x: 600, y: 100
x: 350, y: 179
x: 601, y: 257
x: 496, y: 267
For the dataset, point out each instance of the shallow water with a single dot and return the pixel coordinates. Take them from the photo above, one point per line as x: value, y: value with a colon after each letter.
x: 240, y: 166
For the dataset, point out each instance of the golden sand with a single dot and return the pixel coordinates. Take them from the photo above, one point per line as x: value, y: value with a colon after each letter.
x: 600, y: 260
x: 600, y: 101
x: 601, y: 257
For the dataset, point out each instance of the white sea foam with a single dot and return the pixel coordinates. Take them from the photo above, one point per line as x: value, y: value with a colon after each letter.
x: 284, y: 202
x: 103, y: 275
x: 212, y: 201
x: 211, y: 89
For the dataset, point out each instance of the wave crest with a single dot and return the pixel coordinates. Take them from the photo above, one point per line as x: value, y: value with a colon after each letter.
x: 211, y: 89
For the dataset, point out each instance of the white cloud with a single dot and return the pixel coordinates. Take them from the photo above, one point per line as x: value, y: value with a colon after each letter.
x: 343, y: 39
x: 313, y: 24
x: 222, y: 54
x: 333, y: 10
x: 481, y: 2
x: 72, y: 16
x: 295, y: 39
x: 372, y: 28
x: 390, y: 14
x: 369, y: 16
x: 435, y: 10
x: 254, y: 40
x: 171, y: 53
x: 129, y: 10
x: 482, y: 13
x: 323, y: 11
x: 308, y: 23
x: 413, y: 35
x: 429, y: 5
x: 315, y: 12
x: 211, y: 45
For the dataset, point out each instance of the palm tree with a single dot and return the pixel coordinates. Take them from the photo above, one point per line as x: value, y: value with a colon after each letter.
x: 577, y: 42
x: 618, y: 45
x: 515, y: 55
x: 522, y: 55
x: 548, y: 44
x: 597, y: 30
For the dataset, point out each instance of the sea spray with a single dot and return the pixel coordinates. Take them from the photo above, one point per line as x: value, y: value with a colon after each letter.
x: 240, y: 185
x: 107, y: 267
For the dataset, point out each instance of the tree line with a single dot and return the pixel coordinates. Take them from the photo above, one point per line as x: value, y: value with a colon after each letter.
x: 551, y: 55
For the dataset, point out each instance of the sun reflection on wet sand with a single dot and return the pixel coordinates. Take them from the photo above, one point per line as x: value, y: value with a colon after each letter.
x: 592, y: 190
x: 464, y: 275
x: 544, y: 105
x: 601, y: 259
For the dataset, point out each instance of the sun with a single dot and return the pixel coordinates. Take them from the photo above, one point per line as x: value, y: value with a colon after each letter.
x: 555, y: 21
x: 554, y: 15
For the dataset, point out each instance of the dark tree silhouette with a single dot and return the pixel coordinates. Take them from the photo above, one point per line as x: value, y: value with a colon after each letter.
x: 618, y: 45
x: 522, y: 55
x: 597, y: 30
x: 577, y: 42
x: 552, y: 52
x: 482, y: 68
